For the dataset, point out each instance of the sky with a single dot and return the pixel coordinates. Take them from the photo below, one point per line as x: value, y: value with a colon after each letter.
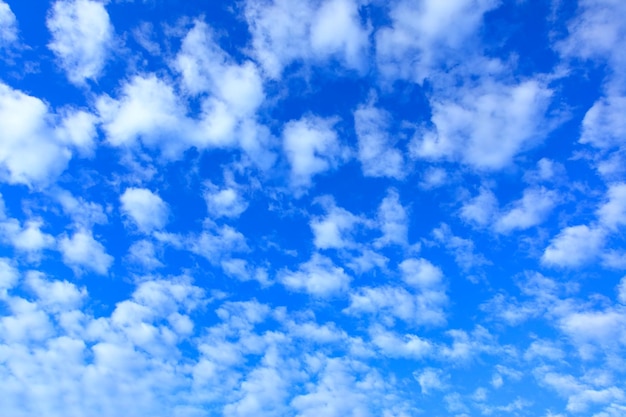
x: 309, y: 208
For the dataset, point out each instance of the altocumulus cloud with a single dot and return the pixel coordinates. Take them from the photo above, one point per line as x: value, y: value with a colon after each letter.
x: 312, y: 208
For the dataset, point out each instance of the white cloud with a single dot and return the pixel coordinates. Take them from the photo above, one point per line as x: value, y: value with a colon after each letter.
x: 225, y: 202
x: 215, y: 244
x: 33, y: 151
x: 377, y: 154
x: 424, y: 33
x: 8, y: 25
x: 284, y: 32
x: 481, y: 209
x: 544, y: 349
x: 334, y: 229
x: 604, y: 126
x: 408, y: 346
x: 312, y: 147
x: 82, y: 37
x: 596, y: 31
x: 613, y: 213
x: 55, y: 296
x: 389, y: 302
x: 83, y: 251
x: 393, y: 221
x: 148, y: 109
x: 143, y: 253
x: 529, y: 211
x: 431, y: 379
x: 318, y: 277
x: 420, y: 273
x: 26, y: 238
x: 579, y: 395
x: 146, y: 209
x: 433, y: 177
x: 485, y: 126
x: 463, y: 249
x: 8, y: 276
x: 83, y: 213
x: 574, y: 246
x: 621, y: 291
x: 206, y: 68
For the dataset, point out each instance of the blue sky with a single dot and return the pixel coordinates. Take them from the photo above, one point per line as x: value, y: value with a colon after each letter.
x: 312, y: 208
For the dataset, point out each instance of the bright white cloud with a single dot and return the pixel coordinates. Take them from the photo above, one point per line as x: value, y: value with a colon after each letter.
x: 423, y: 33
x: 377, y: 154
x: 82, y: 38
x: 529, y: 211
x: 284, y: 32
x: 148, y: 110
x: 82, y: 251
x: 146, y: 209
x: 8, y: 276
x: 8, y: 25
x: 430, y: 379
x: 27, y: 238
x: 604, y: 126
x: 225, y: 202
x: 486, y: 126
x: 389, y: 302
x: 420, y: 273
x: 144, y: 253
x: 574, y: 246
x: 312, y: 147
x: 318, y: 277
x: 481, y: 209
x: 613, y: 213
x: 33, y: 151
x: 393, y: 221
x: 334, y: 229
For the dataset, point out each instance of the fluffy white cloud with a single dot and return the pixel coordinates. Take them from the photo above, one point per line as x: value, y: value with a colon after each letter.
x: 377, y: 154
x: 604, y: 125
x: 33, y: 150
x: 334, y: 229
x: 26, y: 238
x: 407, y: 346
x: 148, y: 109
x: 393, y: 221
x: 143, y: 253
x: 206, y: 68
x: 318, y: 277
x: 420, y: 273
x: 481, y: 209
x: 621, y: 291
x: 463, y: 249
x: 613, y: 213
x: 596, y: 31
x: 423, y: 33
x: 224, y: 202
x: 388, y: 303
x: 8, y: 25
x: 485, y: 126
x: 83, y: 213
x: 574, y: 246
x: 284, y: 32
x: 82, y: 37
x: 8, y: 276
x: 83, y: 251
x: 529, y: 211
x: 312, y: 147
x: 430, y: 380
x: 146, y: 209
x: 216, y: 243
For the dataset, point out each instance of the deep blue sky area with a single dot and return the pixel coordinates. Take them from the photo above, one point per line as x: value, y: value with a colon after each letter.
x: 313, y: 208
